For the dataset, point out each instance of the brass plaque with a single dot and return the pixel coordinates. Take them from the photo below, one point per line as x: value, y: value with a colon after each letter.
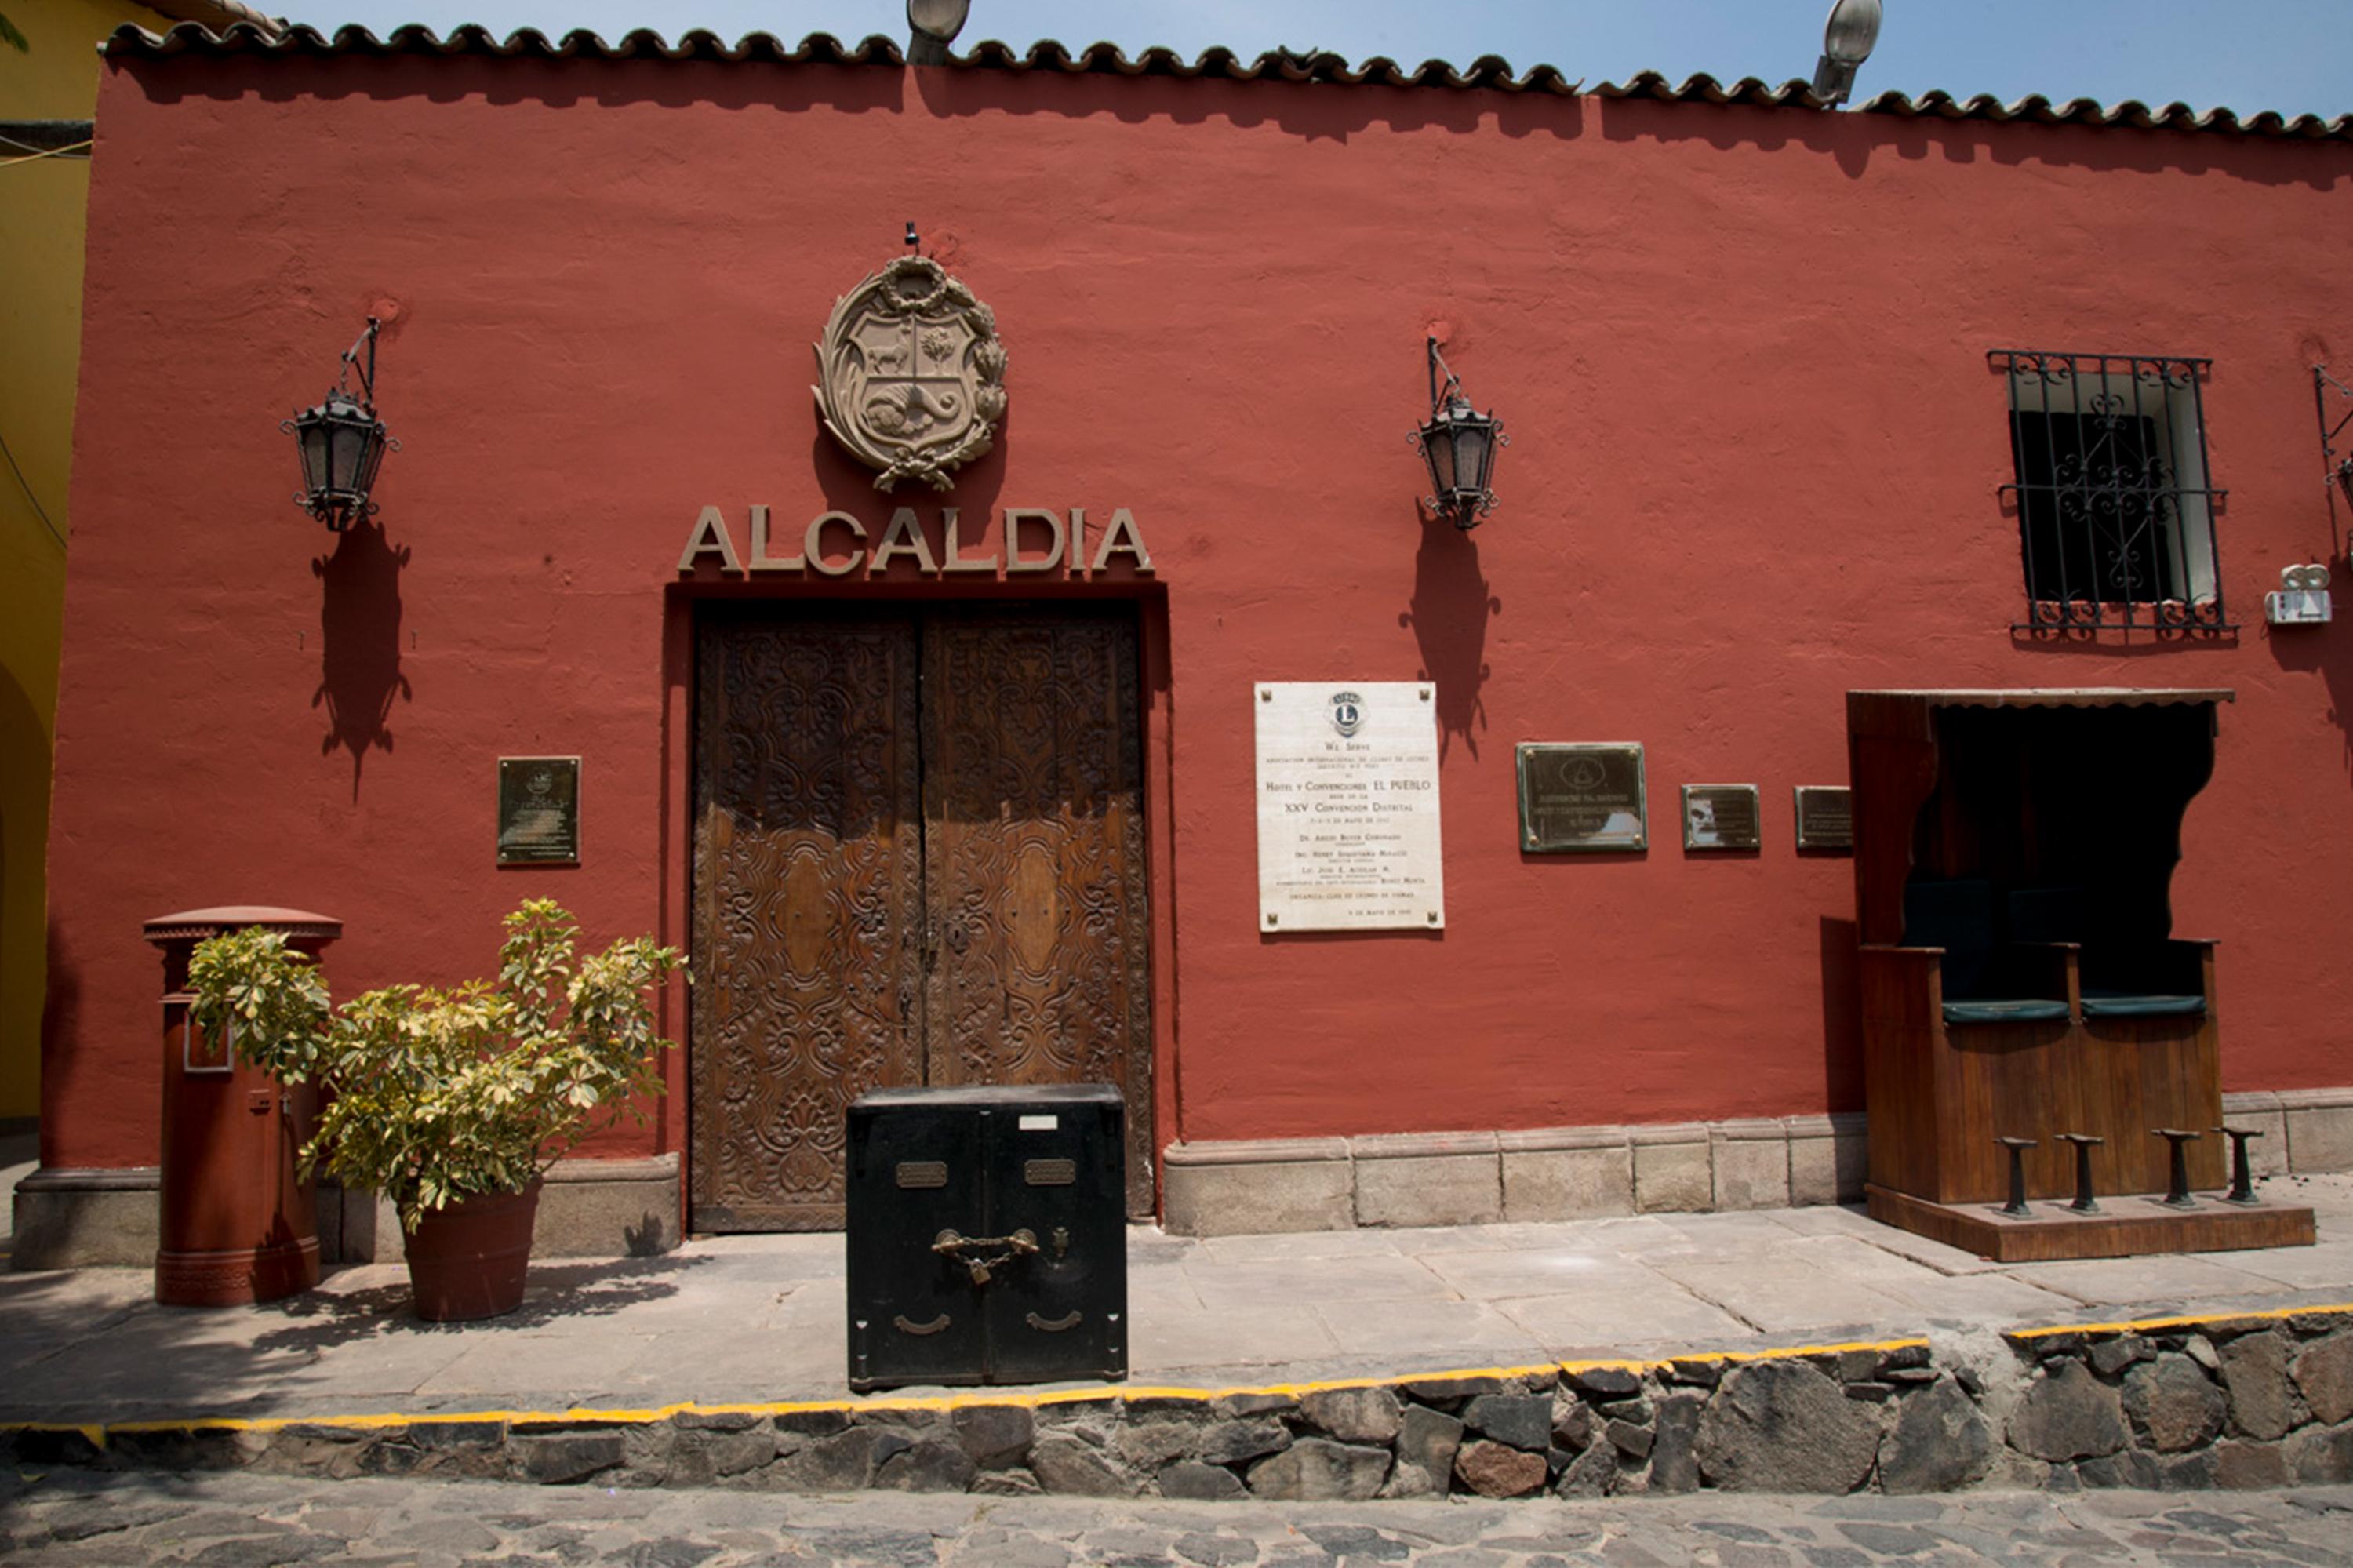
x: 1582, y: 796
x: 1050, y: 1172
x: 921, y: 1173
x: 1825, y: 817
x: 539, y: 810
x: 1720, y: 817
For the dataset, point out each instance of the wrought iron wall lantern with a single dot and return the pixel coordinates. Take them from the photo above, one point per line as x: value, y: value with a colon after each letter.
x: 1458, y: 445
x: 2340, y: 467
x: 342, y: 442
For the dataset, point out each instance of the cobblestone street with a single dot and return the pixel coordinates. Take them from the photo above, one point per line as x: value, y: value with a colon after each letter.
x: 120, y: 1520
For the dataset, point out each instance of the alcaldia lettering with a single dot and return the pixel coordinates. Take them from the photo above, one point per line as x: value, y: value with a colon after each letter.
x: 1031, y: 540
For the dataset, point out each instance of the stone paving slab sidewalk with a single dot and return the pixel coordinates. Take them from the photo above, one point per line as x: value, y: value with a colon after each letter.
x: 760, y: 1320
x: 69, y: 1519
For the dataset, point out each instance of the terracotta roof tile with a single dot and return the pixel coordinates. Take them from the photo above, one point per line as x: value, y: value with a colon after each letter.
x: 1491, y: 72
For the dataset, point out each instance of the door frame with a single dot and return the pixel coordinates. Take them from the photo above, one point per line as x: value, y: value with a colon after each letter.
x: 687, y: 603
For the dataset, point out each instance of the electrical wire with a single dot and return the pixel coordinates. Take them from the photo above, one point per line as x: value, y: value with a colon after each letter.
x: 24, y: 146
x: 30, y: 146
x: 81, y: 147
x: 26, y: 485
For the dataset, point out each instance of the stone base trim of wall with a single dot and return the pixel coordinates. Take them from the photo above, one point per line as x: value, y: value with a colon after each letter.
x: 1237, y: 1187
x: 588, y: 1208
x: 2260, y: 1400
x: 65, y: 1218
x: 1479, y: 1178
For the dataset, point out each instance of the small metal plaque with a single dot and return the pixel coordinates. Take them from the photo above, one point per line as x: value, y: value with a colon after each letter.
x: 1582, y: 796
x: 1050, y: 1172
x: 201, y: 1052
x: 921, y: 1173
x: 1720, y: 817
x: 1825, y: 817
x: 539, y: 810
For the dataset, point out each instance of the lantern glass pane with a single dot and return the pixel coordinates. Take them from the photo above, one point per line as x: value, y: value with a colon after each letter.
x: 371, y: 458
x: 346, y: 457
x: 1474, y: 446
x: 311, y: 439
x: 1438, y: 445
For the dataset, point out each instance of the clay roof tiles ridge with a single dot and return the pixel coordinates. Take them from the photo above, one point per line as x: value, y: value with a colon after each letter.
x: 1488, y: 72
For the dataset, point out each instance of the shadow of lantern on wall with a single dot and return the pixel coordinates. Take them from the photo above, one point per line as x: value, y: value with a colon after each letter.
x: 1459, y: 444
x: 342, y: 442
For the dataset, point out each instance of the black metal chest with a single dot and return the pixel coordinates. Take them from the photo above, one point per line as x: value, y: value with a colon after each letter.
x: 988, y: 1242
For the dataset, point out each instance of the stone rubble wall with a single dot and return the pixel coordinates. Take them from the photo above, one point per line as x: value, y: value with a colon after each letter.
x: 2252, y: 1402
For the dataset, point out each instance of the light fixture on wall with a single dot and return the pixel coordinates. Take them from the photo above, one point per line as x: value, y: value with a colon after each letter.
x: 1458, y: 445
x: 341, y: 441
x: 1848, y: 39
x: 2340, y: 467
x: 931, y: 27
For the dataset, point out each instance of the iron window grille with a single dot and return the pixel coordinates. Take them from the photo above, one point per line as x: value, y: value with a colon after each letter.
x: 2115, y: 509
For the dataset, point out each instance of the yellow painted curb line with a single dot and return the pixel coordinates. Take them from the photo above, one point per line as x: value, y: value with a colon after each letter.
x: 97, y: 1433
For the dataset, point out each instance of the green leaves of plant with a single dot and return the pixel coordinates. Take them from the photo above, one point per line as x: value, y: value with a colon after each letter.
x: 439, y: 1095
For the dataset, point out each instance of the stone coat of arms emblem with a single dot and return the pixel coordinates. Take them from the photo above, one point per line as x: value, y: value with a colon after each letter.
x: 911, y: 375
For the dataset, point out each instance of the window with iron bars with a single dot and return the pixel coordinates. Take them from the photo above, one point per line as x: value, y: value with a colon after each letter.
x: 2115, y: 511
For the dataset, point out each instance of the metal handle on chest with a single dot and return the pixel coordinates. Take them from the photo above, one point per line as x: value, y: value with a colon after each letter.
x: 1020, y: 1244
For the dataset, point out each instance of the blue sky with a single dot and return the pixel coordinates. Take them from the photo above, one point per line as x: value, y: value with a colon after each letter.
x: 2295, y: 56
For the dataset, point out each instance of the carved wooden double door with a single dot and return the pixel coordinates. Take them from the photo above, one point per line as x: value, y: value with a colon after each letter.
x: 918, y: 859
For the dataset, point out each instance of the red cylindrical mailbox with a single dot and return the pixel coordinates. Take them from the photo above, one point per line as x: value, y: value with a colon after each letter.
x: 239, y: 1224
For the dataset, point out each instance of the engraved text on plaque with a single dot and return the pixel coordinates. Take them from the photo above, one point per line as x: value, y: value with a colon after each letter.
x: 539, y: 810
x: 1825, y: 817
x: 1582, y: 796
x: 1347, y: 806
x: 1720, y: 817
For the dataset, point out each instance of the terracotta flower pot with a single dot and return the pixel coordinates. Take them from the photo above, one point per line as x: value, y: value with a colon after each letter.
x: 467, y: 1260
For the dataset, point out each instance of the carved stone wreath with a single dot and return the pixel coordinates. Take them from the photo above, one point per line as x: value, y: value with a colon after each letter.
x: 911, y: 376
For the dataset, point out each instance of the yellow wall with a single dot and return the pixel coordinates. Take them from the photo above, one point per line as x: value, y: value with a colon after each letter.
x: 41, y: 216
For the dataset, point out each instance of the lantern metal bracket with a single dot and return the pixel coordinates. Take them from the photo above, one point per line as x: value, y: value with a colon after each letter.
x: 1453, y: 382
x: 351, y: 362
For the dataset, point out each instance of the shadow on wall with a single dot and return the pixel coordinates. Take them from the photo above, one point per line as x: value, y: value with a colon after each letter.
x: 60, y: 1022
x: 24, y: 827
x: 1854, y: 138
x: 1309, y: 110
x: 1448, y: 616
x: 2307, y: 649
x: 359, y: 642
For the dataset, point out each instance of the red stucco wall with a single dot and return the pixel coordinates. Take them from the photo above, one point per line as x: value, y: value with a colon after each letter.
x: 1755, y: 446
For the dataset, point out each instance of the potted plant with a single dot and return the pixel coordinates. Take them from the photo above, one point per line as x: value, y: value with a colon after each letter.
x: 451, y: 1102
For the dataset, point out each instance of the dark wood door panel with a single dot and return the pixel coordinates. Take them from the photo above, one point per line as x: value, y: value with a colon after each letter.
x: 918, y: 858
x: 1034, y: 878
x: 808, y: 889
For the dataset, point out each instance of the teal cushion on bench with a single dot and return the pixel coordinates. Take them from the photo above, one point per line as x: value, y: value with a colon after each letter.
x: 2124, y: 1004
x: 2030, y: 1009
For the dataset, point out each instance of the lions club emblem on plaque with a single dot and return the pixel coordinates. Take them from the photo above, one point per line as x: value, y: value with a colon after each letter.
x: 911, y: 375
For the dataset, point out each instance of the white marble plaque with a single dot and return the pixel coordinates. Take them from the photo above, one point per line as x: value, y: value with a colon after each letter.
x: 1347, y: 806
